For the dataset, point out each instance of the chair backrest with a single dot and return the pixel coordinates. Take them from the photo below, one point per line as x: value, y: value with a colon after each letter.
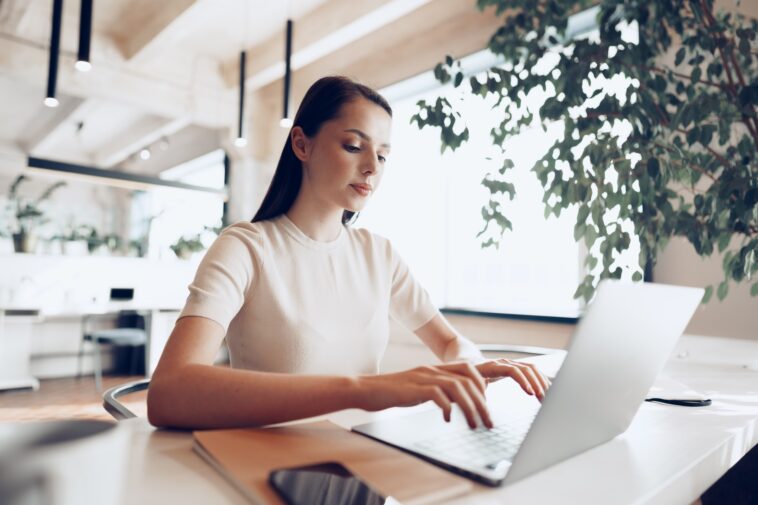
x: 117, y: 409
x: 130, y: 319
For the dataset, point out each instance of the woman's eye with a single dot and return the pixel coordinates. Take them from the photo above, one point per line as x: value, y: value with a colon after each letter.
x: 352, y: 149
x: 382, y: 159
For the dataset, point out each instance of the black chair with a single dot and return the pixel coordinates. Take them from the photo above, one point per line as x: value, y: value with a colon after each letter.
x: 129, y: 331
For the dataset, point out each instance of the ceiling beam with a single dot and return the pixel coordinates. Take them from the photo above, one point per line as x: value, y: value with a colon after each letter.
x: 144, y: 133
x: 147, y: 29
x: 185, y: 146
x: 329, y: 27
x: 42, y: 132
x: 13, y: 15
x: 205, y: 102
x: 425, y: 37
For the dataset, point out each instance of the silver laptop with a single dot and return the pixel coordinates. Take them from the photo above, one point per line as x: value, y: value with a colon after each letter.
x: 618, y: 347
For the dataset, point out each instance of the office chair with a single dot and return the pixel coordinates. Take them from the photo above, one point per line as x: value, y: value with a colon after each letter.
x: 129, y: 331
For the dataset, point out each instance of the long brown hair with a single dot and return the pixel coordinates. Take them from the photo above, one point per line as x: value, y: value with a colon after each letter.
x: 321, y: 102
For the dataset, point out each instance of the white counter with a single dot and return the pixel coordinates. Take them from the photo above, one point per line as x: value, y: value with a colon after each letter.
x: 82, y: 284
x: 42, y: 300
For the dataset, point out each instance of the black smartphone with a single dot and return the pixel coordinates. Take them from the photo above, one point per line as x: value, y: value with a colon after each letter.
x: 327, y: 483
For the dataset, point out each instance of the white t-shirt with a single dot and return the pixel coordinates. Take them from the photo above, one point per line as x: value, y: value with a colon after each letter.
x: 291, y: 304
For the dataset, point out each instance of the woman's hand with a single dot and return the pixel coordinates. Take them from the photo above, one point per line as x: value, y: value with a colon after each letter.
x: 527, y: 375
x: 444, y: 384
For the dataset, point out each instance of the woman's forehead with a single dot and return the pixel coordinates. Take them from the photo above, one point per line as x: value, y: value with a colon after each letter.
x: 365, y: 119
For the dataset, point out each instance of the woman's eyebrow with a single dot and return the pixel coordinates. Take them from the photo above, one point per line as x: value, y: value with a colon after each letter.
x: 364, y: 136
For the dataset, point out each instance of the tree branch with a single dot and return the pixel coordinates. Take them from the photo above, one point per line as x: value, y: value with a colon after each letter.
x: 717, y: 155
x: 695, y: 167
x: 683, y: 76
x: 708, y: 21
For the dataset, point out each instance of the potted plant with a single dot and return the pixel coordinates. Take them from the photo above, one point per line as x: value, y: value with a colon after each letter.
x: 112, y: 242
x: 74, y: 240
x: 186, y: 246
x: 688, y: 165
x: 28, y: 213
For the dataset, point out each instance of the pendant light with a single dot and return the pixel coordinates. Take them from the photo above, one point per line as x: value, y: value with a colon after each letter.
x: 286, y: 122
x: 55, y: 42
x: 241, y: 141
x: 85, y: 34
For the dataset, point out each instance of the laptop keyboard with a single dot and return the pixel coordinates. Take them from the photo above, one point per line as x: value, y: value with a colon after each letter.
x: 482, y: 447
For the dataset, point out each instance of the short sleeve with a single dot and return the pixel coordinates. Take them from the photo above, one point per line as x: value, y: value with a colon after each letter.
x: 224, y: 276
x: 410, y: 303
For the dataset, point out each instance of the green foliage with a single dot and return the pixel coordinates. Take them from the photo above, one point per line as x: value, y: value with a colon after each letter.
x: 89, y: 234
x: 28, y: 212
x: 185, y: 246
x: 688, y: 166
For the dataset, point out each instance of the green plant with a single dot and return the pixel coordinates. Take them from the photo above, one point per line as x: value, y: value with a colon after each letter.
x: 687, y: 164
x: 89, y: 234
x: 74, y: 233
x: 185, y: 246
x: 28, y: 212
x: 216, y: 230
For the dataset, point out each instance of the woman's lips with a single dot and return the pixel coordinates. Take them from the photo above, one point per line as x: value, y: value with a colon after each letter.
x: 363, y: 191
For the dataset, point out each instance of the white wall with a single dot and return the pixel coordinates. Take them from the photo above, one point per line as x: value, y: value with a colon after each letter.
x: 79, y: 203
x: 736, y: 316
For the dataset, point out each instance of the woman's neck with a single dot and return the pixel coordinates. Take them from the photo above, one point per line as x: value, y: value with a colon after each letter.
x: 316, y: 221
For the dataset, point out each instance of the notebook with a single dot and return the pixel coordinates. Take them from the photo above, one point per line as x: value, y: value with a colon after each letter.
x: 246, y: 456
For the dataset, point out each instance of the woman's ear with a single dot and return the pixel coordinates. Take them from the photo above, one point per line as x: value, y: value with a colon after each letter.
x: 300, y: 143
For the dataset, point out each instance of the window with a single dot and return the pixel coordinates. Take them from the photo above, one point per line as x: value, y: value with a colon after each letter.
x: 429, y: 206
x: 165, y: 214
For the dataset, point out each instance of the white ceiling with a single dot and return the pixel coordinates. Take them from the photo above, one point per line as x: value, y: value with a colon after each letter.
x: 21, y: 106
x: 169, y: 68
x: 185, y: 51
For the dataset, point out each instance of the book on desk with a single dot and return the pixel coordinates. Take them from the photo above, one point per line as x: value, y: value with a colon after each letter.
x: 245, y: 457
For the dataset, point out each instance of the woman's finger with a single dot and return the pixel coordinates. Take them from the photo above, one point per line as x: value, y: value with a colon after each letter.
x: 514, y: 373
x: 479, y: 400
x: 540, y: 376
x: 531, y: 376
x: 467, y: 370
x: 475, y: 388
x: 456, y: 392
x: 436, y: 394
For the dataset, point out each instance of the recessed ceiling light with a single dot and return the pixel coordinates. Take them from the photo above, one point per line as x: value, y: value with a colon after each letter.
x: 144, y: 154
x: 51, y: 101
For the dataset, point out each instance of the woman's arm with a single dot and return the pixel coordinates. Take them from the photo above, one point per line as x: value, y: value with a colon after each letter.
x: 449, y: 345
x: 187, y: 391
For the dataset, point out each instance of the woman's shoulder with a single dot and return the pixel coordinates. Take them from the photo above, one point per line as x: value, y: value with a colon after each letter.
x: 370, y: 240
x: 244, y: 232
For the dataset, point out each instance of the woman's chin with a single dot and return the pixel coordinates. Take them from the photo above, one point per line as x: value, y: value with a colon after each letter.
x: 356, y: 205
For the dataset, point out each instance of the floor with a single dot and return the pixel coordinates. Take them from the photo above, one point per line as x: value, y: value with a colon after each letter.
x: 68, y: 398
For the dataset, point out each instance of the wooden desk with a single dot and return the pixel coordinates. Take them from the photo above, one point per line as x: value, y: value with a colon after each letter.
x: 669, y: 455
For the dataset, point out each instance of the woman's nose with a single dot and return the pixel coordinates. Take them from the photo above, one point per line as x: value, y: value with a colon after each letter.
x: 371, y: 165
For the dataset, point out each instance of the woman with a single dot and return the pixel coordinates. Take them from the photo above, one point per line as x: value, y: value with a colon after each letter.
x: 304, y: 299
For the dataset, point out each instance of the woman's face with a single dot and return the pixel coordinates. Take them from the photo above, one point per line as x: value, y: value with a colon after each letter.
x: 343, y: 163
